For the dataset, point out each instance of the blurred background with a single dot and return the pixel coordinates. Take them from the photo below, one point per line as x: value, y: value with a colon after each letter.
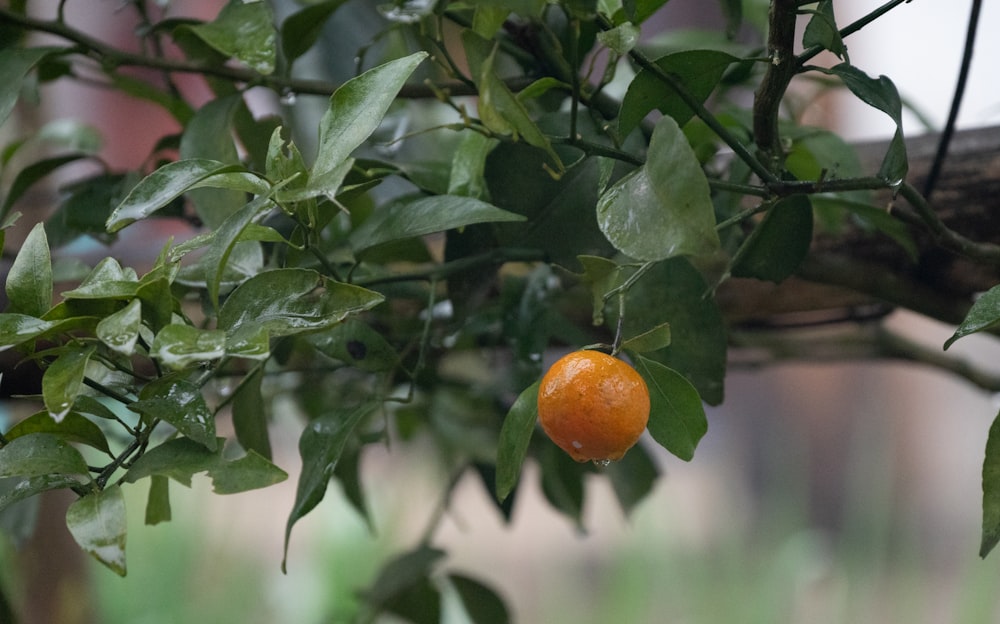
x: 822, y: 492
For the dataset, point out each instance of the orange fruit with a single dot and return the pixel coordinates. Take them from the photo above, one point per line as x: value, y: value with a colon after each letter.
x: 593, y: 406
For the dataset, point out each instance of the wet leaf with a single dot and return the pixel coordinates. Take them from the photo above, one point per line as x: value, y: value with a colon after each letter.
x: 182, y: 458
x: 409, y: 219
x: 357, y: 344
x: 177, y: 346
x: 42, y: 454
x: 291, y: 301
x: 663, y: 209
x: 180, y: 403
x: 243, y: 31
x: 250, y: 415
x: 62, y: 381
x: 162, y: 187
x: 98, y: 523
x: 74, y: 427
x: 120, y: 331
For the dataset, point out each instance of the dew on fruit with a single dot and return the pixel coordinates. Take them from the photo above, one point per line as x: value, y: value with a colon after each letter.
x: 602, y: 463
x: 577, y: 445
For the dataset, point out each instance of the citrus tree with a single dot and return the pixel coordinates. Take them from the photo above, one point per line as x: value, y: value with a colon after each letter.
x: 553, y: 179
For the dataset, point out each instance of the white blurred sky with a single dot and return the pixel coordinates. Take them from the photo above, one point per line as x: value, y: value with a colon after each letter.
x: 919, y: 46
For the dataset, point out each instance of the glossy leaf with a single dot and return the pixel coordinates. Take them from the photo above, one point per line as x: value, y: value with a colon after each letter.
x: 357, y: 108
x: 182, y: 458
x: 178, y: 345
x: 40, y: 455
x: 23, y: 488
x: 250, y: 415
x: 482, y: 604
x: 698, y: 70
x: 15, y: 64
x: 180, y: 403
x: 162, y: 187
x: 676, y: 416
x: 468, y: 165
x: 653, y: 339
x: 209, y: 136
x: 991, y: 491
x: 515, y: 435
x: 292, y: 301
x: 17, y: 329
x: 984, y: 314
x: 779, y: 243
x: 320, y: 447
x: 243, y: 31
x: 301, y: 30
x: 664, y: 208
x: 409, y: 219
x: 63, y: 381
x: 29, y: 281
x: 227, y: 235
x: 99, y: 525
x: 120, y: 331
x: 74, y: 427
x: 357, y: 344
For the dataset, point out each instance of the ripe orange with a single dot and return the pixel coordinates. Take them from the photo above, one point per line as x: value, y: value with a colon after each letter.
x: 593, y: 406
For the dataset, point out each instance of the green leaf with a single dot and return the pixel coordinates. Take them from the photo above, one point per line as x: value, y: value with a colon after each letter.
x: 99, y: 525
x: 32, y: 174
x: 515, y: 435
x: 562, y: 482
x: 505, y: 114
x: 162, y: 187
x: 653, y: 339
x: 73, y: 428
x: 698, y: 70
x: 180, y: 403
x: 880, y: 93
x: 674, y: 292
x: 40, y: 455
x: 779, y: 243
x: 874, y: 218
x: 243, y: 31
x: 822, y: 30
x: 120, y: 331
x: 600, y: 275
x: 357, y: 108
x: 178, y: 345
x: 664, y: 208
x: 676, y: 416
x: 209, y: 136
x: 620, y: 39
x: 357, y: 344
x: 632, y: 477
x: 250, y: 415
x: 320, y: 446
x: 468, y: 164
x: 15, y: 64
x: 482, y: 604
x: 402, y: 587
x: 63, y: 381
x: 984, y: 314
x: 182, y: 458
x: 302, y: 29
x: 991, y: 491
x: 16, y: 329
x: 283, y: 302
x: 158, y: 501
x: 408, y: 219
x: 29, y: 282
x: 226, y: 237
x: 24, y: 488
